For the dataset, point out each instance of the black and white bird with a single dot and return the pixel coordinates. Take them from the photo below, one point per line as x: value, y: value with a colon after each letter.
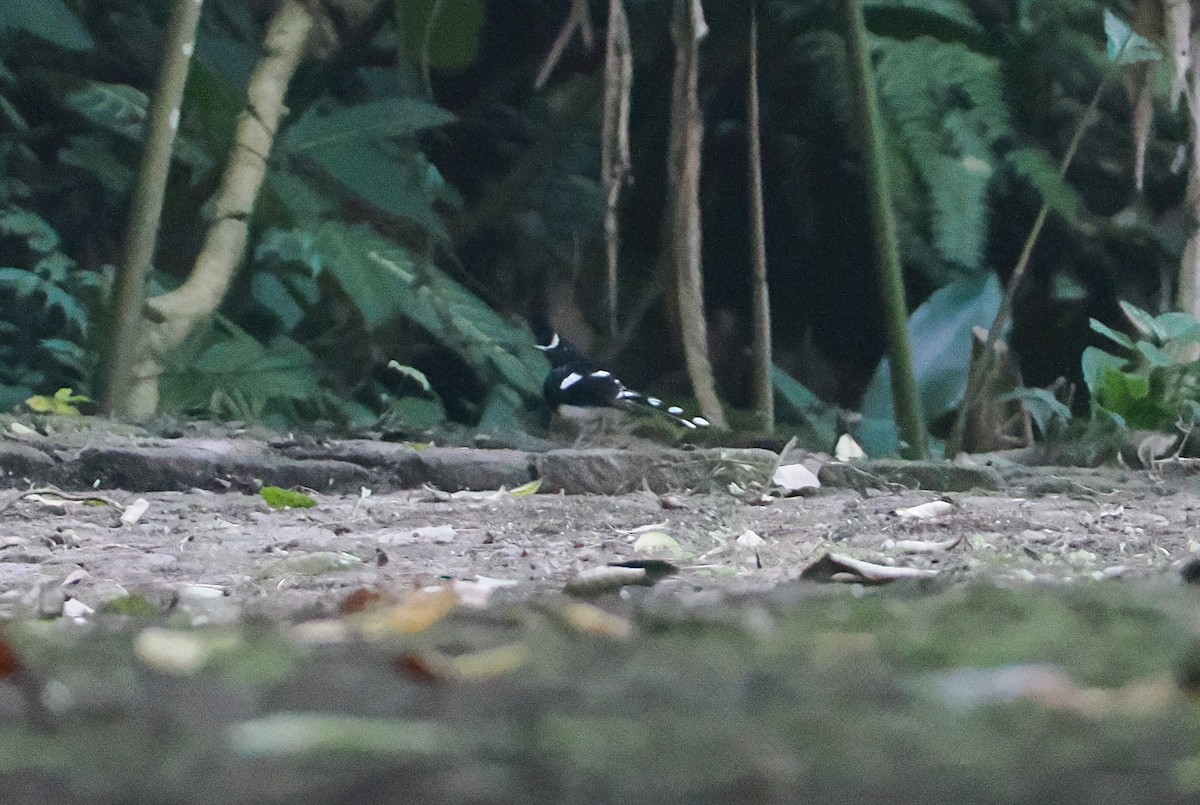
x: 579, y: 389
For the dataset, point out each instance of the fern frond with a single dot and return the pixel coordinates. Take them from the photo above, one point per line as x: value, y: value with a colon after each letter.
x: 946, y: 102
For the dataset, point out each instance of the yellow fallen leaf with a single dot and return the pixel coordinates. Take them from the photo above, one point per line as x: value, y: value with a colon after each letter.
x: 416, y: 613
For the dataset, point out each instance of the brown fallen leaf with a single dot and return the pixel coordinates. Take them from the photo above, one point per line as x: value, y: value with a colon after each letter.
x: 846, y: 569
x: 362, y: 600
x: 10, y: 663
x: 418, y: 668
x: 418, y: 611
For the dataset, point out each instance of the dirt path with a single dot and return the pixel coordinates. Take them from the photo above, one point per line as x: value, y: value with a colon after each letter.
x: 203, y: 653
x: 221, y: 554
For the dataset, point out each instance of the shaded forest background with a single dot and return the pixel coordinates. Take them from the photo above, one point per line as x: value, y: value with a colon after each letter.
x: 436, y: 187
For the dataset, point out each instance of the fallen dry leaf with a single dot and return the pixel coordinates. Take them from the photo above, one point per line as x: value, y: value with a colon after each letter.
x: 920, y: 545
x: 651, y: 542
x: 134, y: 511
x: 10, y: 663
x: 416, y: 613
x: 600, y: 580
x: 794, y: 478
x: 362, y: 600
x: 837, y: 567
x: 925, y: 511
x: 593, y: 620
x: 489, y: 663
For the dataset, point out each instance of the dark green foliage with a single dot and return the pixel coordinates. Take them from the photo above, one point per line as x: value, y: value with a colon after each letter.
x: 402, y: 211
x: 45, y: 309
x: 946, y: 103
x: 1155, y: 384
x: 941, y: 334
x: 51, y: 20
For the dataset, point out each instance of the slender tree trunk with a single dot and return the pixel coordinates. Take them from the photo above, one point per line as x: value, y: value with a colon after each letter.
x: 907, y: 400
x: 764, y: 391
x: 145, y: 214
x: 687, y: 131
x: 172, y: 317
x: 614, y: 159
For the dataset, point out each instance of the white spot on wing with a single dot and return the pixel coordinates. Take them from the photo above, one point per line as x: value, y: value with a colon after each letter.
x: 675, y: 409
x: 626, y: 394
x: 175, y: 119
x: 701, y: 421
x: 601, y: 373
x: 570, y: 380
x: 654, y: 401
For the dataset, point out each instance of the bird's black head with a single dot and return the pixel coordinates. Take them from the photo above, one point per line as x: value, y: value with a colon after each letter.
x: 558, y: 350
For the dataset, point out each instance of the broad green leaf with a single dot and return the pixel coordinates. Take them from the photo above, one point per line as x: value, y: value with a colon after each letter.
x: 276, y: 299
x: 1146, y: 324
x: 278, y: 498
x: 1180, y: 326
x: 368, y: 122
x: 414, y: 412
x: 51, y: 20
x: 1108, y: 332
x: 395, y: 178
x: 385, y: 282
x: 63, y: 352
x: 1125, y: 46
x: 1129, y: 396
x: 118, y: 108
x: 940, y: 331
x: 31, y: 227
x: 122, y: 109
x: 22, y: 282
x: 814, y: 413
x: 94, y: 154
x: 1095, y: 362
x: 1043, y: 407
x: 455, y: 33
x: 1156, y: 357
x: 225, y: 360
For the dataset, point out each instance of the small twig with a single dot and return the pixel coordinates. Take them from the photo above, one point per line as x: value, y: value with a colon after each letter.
x: 577, y: 18
x: 54, y: 490
x: 426, y: 43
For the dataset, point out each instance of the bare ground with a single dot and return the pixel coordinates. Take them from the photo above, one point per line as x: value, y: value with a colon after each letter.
x: 201, y: 653
x: 1101, y: 524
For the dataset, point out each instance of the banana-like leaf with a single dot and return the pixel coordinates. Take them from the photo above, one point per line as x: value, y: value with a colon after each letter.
x: 384, y: 281
x: 940, y: 332
x: 51, y: 20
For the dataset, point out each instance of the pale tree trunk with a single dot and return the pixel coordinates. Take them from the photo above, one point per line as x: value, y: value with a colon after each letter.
x: 169, y: 319
x: 687, y: 130
x: 1187, y: 295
